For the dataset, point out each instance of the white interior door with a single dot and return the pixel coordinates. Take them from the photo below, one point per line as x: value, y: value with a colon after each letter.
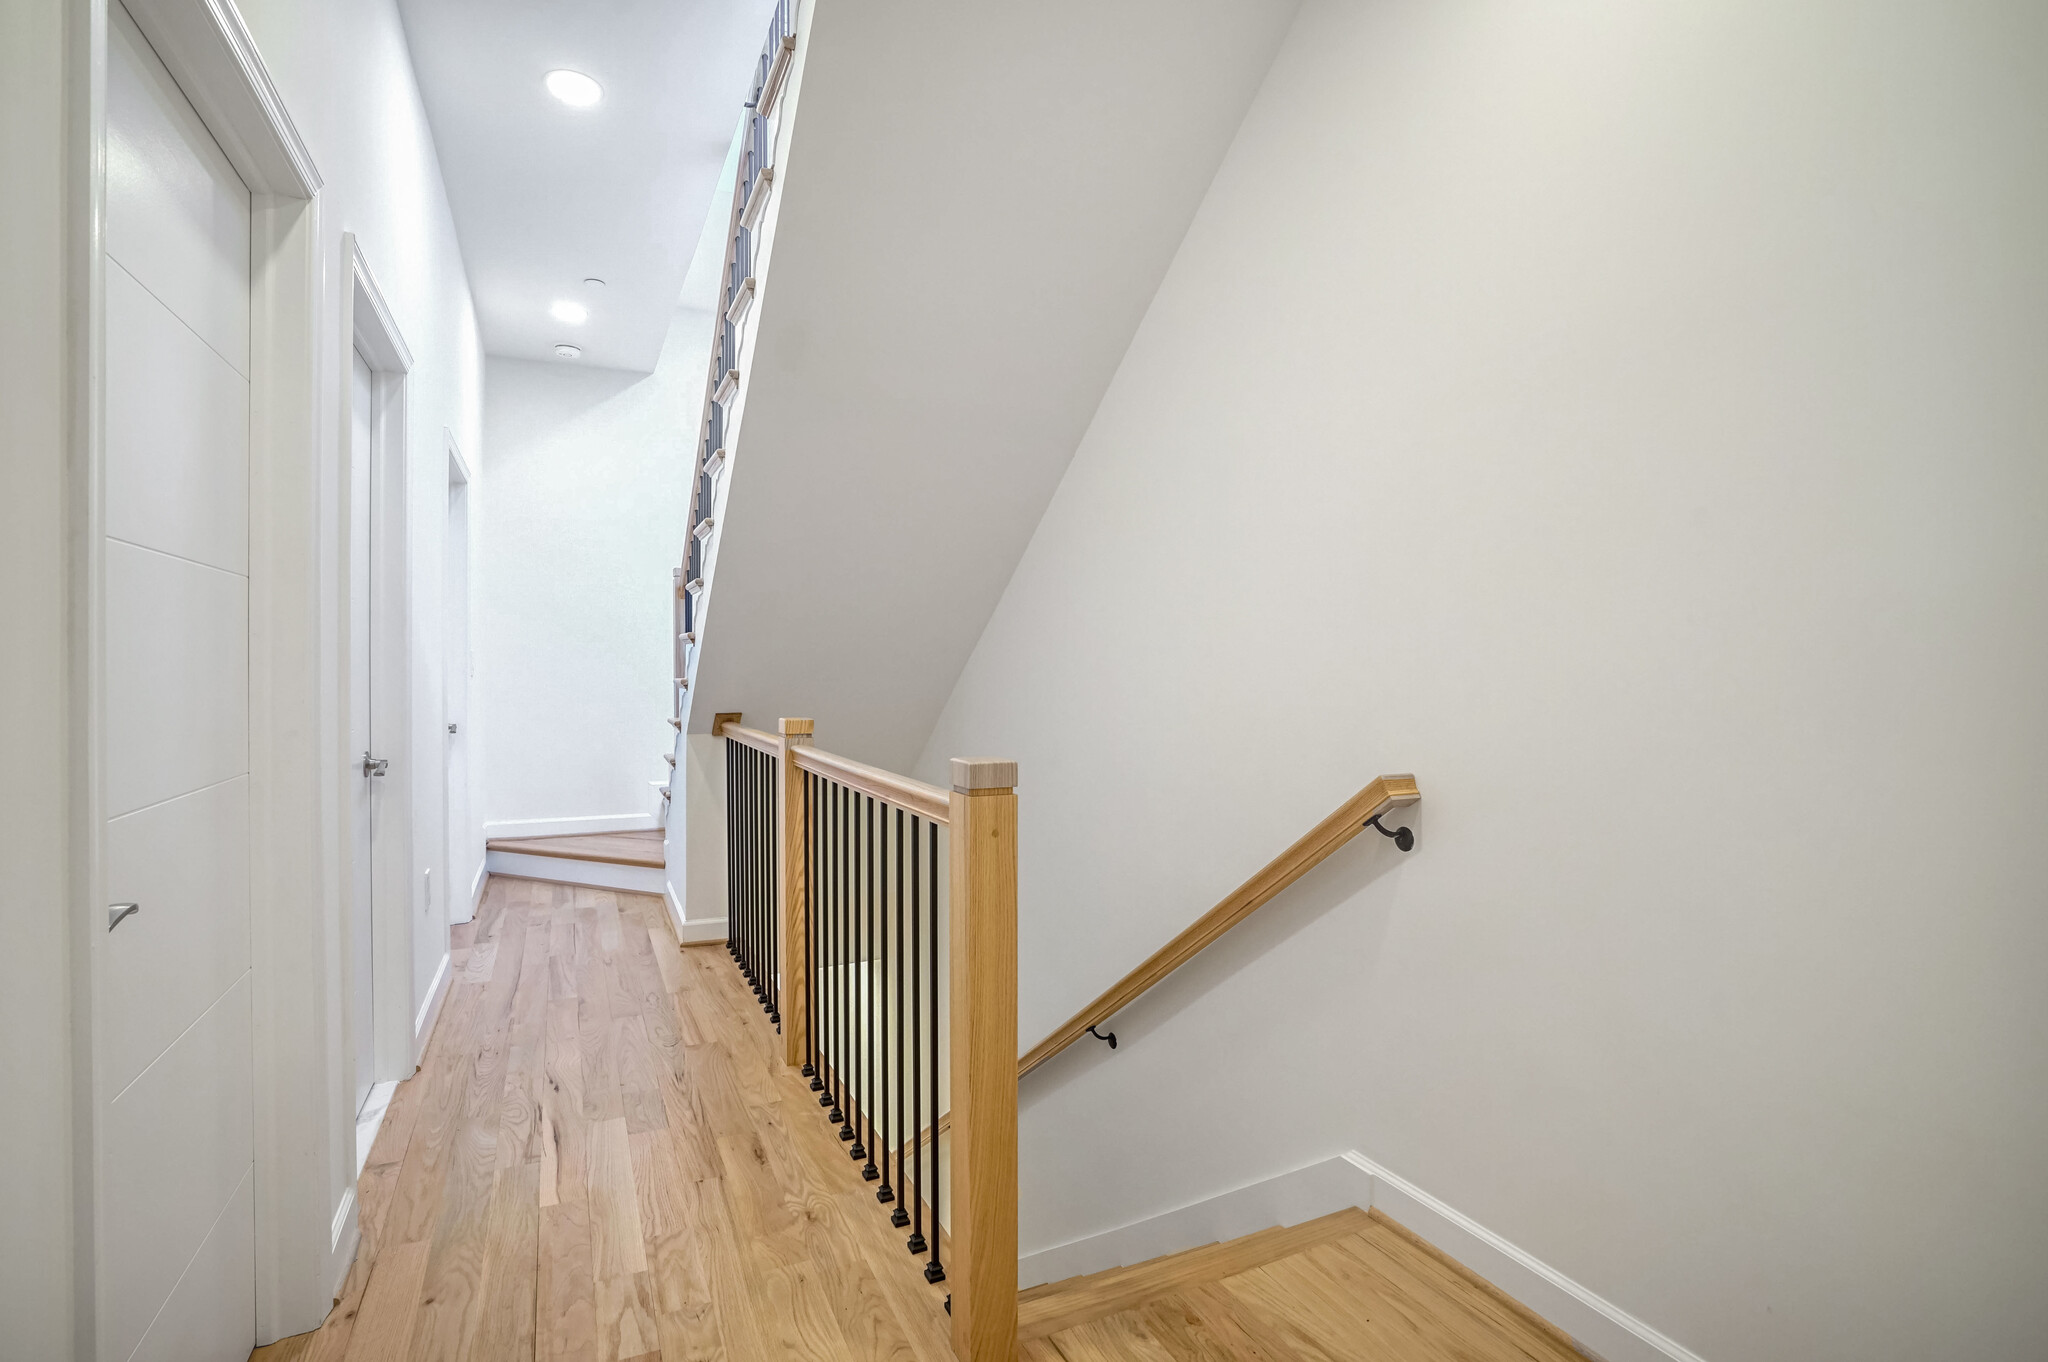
x: 366, y: 782
x: 173, y: 1052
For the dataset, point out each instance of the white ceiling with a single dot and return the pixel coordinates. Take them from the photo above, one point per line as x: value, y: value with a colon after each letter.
x: 545, y: 195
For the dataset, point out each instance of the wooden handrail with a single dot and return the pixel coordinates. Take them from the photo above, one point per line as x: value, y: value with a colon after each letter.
x: 926, y: 801
x: 1387, y: 792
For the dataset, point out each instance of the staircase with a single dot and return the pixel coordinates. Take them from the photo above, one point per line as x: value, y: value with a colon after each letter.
x: 1349, y: 1285
x: 632, y: 861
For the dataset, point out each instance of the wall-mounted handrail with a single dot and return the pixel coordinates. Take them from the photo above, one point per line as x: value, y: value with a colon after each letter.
x: 926, y: 801
x: 1354, y: 816
x: 1385, y: 793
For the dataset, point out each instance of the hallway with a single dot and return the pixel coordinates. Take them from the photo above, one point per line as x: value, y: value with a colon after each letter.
x: 601, y: 1157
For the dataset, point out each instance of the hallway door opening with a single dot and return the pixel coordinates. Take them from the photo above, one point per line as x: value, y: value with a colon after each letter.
x: 370, y: 766
x: 455, y: 689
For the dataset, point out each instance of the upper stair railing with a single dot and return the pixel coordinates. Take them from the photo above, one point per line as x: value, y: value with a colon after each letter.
x: 753, y: 183
x: 895, y: 989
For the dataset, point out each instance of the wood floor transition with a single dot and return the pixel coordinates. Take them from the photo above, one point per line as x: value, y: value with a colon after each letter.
x: 1350, y: 1287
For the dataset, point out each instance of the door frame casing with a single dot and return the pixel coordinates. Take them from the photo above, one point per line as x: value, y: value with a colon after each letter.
x: 367, y: 327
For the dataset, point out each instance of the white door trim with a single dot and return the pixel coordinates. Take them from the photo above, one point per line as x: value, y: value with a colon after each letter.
x: 368, y: 327
x: 208, y: 50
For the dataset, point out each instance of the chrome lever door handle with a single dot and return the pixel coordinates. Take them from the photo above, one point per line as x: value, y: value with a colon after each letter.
x: 375, y: 766
x: 117, y: 913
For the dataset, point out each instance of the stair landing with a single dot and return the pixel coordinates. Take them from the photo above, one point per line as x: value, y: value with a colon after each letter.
x: 1354, y: 1285
x: 611, y: 848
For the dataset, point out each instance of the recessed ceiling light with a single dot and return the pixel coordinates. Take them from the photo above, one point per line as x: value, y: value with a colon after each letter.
x: 573, y: 314
x: 568, y: 352
x: 574, y: 88
x: 593, y: 283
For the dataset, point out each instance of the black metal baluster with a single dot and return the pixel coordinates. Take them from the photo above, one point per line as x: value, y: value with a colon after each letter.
x: 856, y: 990
x: 850, y: 887
x: 934, y: 1271
x: 887, y: 1138
x: 731, y: 832
x: 769, y: 776
x: 753, y: 765
x: 867, y: 1002
x: 810, y: 985
x: 835, y: 1069
x: 899, y: 1217
x: 916, y: 1241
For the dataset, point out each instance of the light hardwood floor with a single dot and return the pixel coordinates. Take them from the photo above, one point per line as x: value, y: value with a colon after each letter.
x: 603, y: 1157
x: 1350, y: 1287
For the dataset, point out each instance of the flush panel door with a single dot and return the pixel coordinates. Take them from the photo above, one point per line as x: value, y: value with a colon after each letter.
x: 177, y: 1249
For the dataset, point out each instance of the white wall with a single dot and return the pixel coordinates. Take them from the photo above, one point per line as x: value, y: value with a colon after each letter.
x: 1630, y: 420
x: 35, y: 966
x: 347, y: 77
x: 582, y: 519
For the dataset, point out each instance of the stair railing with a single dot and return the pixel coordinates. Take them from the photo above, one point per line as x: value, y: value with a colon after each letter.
x: 752, y: 180
x: 895, y: 989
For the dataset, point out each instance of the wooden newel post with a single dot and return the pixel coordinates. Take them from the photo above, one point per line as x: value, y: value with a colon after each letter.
x: 983, y: 919
x: 793, y: 945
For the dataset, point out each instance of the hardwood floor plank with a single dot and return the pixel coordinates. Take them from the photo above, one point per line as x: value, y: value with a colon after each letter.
x: 1116, y: 1338
x: 667, y: 958
x: 626, y: 1318
x: 384, y: 1324
x: 566, y: 1292
x: 639, y: 1084
x: 511, y: 1276
x: 617, y: 1241
x: 564, y: 1136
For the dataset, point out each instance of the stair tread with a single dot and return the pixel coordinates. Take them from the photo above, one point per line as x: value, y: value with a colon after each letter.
x: 1047, y: 1309
x: 642, y: 848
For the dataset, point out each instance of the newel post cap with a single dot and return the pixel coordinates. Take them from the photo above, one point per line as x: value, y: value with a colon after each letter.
x: 983, y: 773
x: 798, y: 731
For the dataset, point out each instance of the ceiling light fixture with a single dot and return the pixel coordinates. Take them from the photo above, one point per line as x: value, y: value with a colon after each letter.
x: 574, y: 88
x: 568, y: 352
x: 569, y: 314
x: 593, y: 283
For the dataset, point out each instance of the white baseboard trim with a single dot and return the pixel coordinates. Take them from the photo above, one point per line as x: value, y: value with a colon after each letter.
x: 1285, y: 1199
x: 690, y: 933
x: 569, y: 827
x: 1597, y: 1325
x: 430, y: 1010
x: 634, y: 879
x: 1600, y: 1328
x: 476, y: 890
x: 342, y: 1213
